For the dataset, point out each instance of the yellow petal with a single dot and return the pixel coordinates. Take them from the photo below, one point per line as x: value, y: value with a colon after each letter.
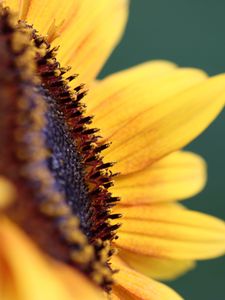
x: 177, y: 176
x: 87, y: 31
x: 129, y: 94
x: 157, y: 268
x: 27, y: 274
x: 109, y: 94
x: 91, y: 36
x: 170, y: 231
x: 7, y: 192
x: 131, y: 285
x: 166, y: 126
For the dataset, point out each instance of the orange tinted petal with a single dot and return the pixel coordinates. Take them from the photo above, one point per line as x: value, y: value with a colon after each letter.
x: 7, y: 192
x: 131, y: 285
x: 27, y: 274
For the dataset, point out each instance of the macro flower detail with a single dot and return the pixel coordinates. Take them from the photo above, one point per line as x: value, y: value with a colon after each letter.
x: 66, y: 193
x: 88, y: 193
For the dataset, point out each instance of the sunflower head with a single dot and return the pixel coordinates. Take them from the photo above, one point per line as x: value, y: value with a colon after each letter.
x: 53, y: 156
x: 58, y: 162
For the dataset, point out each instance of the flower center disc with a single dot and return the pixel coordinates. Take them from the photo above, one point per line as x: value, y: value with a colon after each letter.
x: 52, y: 155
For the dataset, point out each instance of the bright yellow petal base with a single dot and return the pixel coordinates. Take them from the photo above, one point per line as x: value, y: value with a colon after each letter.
x: 170, y: 231
x: 177, y: 176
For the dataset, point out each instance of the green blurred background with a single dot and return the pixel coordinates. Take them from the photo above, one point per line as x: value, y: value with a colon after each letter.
x: 190, y: 33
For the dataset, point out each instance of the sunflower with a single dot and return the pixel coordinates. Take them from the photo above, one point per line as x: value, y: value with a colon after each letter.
x: 66, y: 189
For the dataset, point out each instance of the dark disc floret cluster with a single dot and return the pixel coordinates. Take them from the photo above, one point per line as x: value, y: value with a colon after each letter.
x: 52, y: 155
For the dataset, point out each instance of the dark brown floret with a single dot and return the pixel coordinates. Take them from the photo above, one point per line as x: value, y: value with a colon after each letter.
x: 86, y: 142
